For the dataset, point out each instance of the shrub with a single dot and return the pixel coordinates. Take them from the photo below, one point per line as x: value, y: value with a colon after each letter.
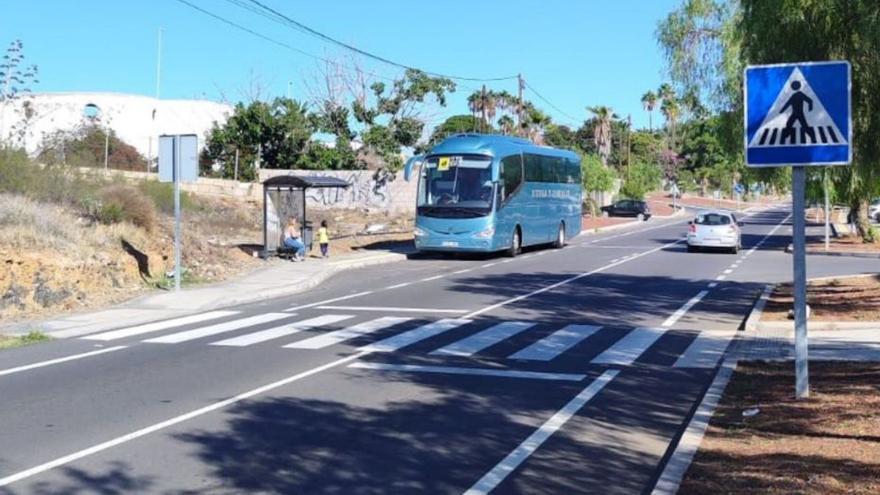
x: 126, y: 203
x: 162, y: 195
x: 641, y: 178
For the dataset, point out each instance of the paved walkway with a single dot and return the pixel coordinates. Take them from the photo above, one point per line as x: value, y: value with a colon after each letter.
x: 277, y: 279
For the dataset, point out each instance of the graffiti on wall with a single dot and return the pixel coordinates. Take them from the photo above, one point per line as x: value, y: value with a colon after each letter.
x: 367, y: 188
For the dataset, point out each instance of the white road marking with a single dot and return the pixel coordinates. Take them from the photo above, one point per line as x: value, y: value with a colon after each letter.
x: 391, y: 309
x: 508, y: 261
x: 456, y: 370
x: 720, y: 277
x: 65, y: 359
x: 728, y: 271
x: 459, y: 272
x: 67, y: 459
x: 540, y: 253
x: 496, y: 475
x: 398, y: 285
x: 469, y: 346
x: 556, y: 343
x: 684, y: 309
x: 328, y: 301
x: 161, y: 325
x: 282, y: 331
x: 224, y: 327
x: 712, y: 285
x: 487, y: 265
x: 626, y: 350
x: 410, y: 337
x: 435, y: 277
x: 705, y: 350
x: 339, y: 336
x: 564, y: 282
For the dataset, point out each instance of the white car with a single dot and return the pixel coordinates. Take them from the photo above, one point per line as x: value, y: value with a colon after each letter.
x: 714, y: 229
x: 874, y: 211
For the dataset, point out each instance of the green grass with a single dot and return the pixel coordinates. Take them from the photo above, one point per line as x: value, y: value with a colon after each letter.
x: 32, y: 337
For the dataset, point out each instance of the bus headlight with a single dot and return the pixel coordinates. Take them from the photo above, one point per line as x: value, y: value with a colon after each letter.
x: 485, y: 234
x: 419, y: 232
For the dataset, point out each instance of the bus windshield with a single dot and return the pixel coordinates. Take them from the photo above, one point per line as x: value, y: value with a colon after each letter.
x: 456, y: 186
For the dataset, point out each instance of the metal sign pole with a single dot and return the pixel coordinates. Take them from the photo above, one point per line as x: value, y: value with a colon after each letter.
x: 176, y: 213
x: 827, y: 211
x: 802, y: 380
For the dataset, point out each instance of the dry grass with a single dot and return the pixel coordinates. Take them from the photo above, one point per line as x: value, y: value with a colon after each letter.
x: 827, y: 444
x: 838, y: 299
x: 131, y: 204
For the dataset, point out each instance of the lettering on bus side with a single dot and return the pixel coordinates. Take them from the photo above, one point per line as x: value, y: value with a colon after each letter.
x: 551, y: 193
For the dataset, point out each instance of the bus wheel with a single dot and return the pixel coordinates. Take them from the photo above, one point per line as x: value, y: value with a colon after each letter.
x: 515, y: 244
x: 559, y: 243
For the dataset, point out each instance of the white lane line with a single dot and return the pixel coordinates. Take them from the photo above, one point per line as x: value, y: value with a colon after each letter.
x: 541, y: 253
x: 728, y: 271
x: 469, y: 346
x: 508, y: 261
x: 720, y: 277
x: 435, y: 277
x: 398, y: 285
x: 712, y: 285
x: 339, y: 336
x: 282, y: 331
x: 556, y: 343
x: 391, y: 309
x: 564, y: 282
x: 67, y: 459
x: 705, y: 350
x: 684, y: 309
x: 328, y: 301
x: 456, y: 370
x: 161, y: 325
x: 410, y: 337
x: 487, y: 265
x: 626, y: 350
x: 65, y: 359
x: 459, y: 272
x: 517, y: 456
x: 224, y: 327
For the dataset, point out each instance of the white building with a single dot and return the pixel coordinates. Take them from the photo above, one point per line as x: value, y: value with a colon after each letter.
x: 137, y: 120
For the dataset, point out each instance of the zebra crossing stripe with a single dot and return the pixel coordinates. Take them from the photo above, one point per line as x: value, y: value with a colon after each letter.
x: 410, y: 337
x: 556, y: 343
x: 626, y: 350
x: 705, y: 350
x: 487, y: 338
x: 339, y: 336
x: 282, y: 331
x: 161, y: 325
x: 227, y: 326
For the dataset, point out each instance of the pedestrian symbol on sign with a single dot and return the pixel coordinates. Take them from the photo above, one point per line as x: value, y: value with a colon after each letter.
x: 798, y: 114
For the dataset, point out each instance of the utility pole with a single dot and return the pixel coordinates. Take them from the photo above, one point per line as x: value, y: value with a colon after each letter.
x: 520, y: 84
x: 483, y: 110
x: 629, y: 123
x: 153, y: 130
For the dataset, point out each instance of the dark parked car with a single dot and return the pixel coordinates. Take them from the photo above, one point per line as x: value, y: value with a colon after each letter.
x: 628, y: 208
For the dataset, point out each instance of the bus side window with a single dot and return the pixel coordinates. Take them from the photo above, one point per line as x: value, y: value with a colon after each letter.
x: 511, y: 175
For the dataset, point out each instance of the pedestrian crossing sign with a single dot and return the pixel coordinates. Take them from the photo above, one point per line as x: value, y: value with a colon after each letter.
x: 798, y: 114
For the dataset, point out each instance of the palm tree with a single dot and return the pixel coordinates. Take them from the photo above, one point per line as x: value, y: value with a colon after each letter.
x: 670, y: 109
x: 506, y: 124
x: 649, y: 102
x: 602, y: 131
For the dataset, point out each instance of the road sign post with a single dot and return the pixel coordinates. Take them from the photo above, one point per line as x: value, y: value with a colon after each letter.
x: 798, y: 115
x: 178, y: 162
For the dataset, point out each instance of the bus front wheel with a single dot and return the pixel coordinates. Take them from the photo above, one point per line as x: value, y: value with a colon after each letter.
x: 559, y: 243
x: 515, y: 244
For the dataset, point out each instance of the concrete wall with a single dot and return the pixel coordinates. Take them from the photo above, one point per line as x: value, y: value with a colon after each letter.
x: 367, y: 190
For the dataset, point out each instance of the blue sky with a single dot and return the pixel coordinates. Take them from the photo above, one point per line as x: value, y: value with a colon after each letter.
x: 575, y: 53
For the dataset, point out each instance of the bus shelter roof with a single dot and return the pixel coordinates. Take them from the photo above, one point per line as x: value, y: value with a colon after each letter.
x: 303, y: 182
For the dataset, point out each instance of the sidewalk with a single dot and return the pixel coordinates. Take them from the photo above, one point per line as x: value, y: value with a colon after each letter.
x: 277, y: 279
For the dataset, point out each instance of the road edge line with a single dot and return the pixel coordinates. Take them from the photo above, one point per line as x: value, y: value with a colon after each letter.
x: 50, y: 362
x: 752, y: 320
x: 678, y: 464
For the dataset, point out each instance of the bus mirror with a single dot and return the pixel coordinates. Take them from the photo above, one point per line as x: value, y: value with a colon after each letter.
x: 410, y: 164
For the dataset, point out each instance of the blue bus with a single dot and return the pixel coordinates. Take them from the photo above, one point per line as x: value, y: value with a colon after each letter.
x: 487, y: 193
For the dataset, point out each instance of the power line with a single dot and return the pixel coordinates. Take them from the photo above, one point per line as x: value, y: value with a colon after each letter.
x: 573, y: 120
x: 304, y: 28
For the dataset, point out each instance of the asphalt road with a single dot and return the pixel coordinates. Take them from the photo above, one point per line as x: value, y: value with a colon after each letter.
x: 560, y: 371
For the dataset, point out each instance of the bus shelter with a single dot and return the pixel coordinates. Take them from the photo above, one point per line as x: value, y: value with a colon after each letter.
x: 284, y: 196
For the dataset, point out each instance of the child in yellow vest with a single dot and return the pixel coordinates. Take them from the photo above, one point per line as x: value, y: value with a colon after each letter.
x: 324, y: 239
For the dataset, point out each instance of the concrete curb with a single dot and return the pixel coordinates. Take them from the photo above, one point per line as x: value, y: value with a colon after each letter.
x: 599, y: 230
x: 755, y: 315
x: 678, y: 464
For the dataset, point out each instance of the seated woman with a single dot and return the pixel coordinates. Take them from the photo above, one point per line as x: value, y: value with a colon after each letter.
x: 292, y: 241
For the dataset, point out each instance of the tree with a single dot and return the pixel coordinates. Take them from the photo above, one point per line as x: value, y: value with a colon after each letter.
x: 595, y: 177
x: 453, y: 125
x: 16, y: 80
x: 649, y: 102
x: 560, y: 136
x: 273, y: 134
x: 670, y: 110
x: 84, y: 147
x: 640, y: 179
x: 604, y: 116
